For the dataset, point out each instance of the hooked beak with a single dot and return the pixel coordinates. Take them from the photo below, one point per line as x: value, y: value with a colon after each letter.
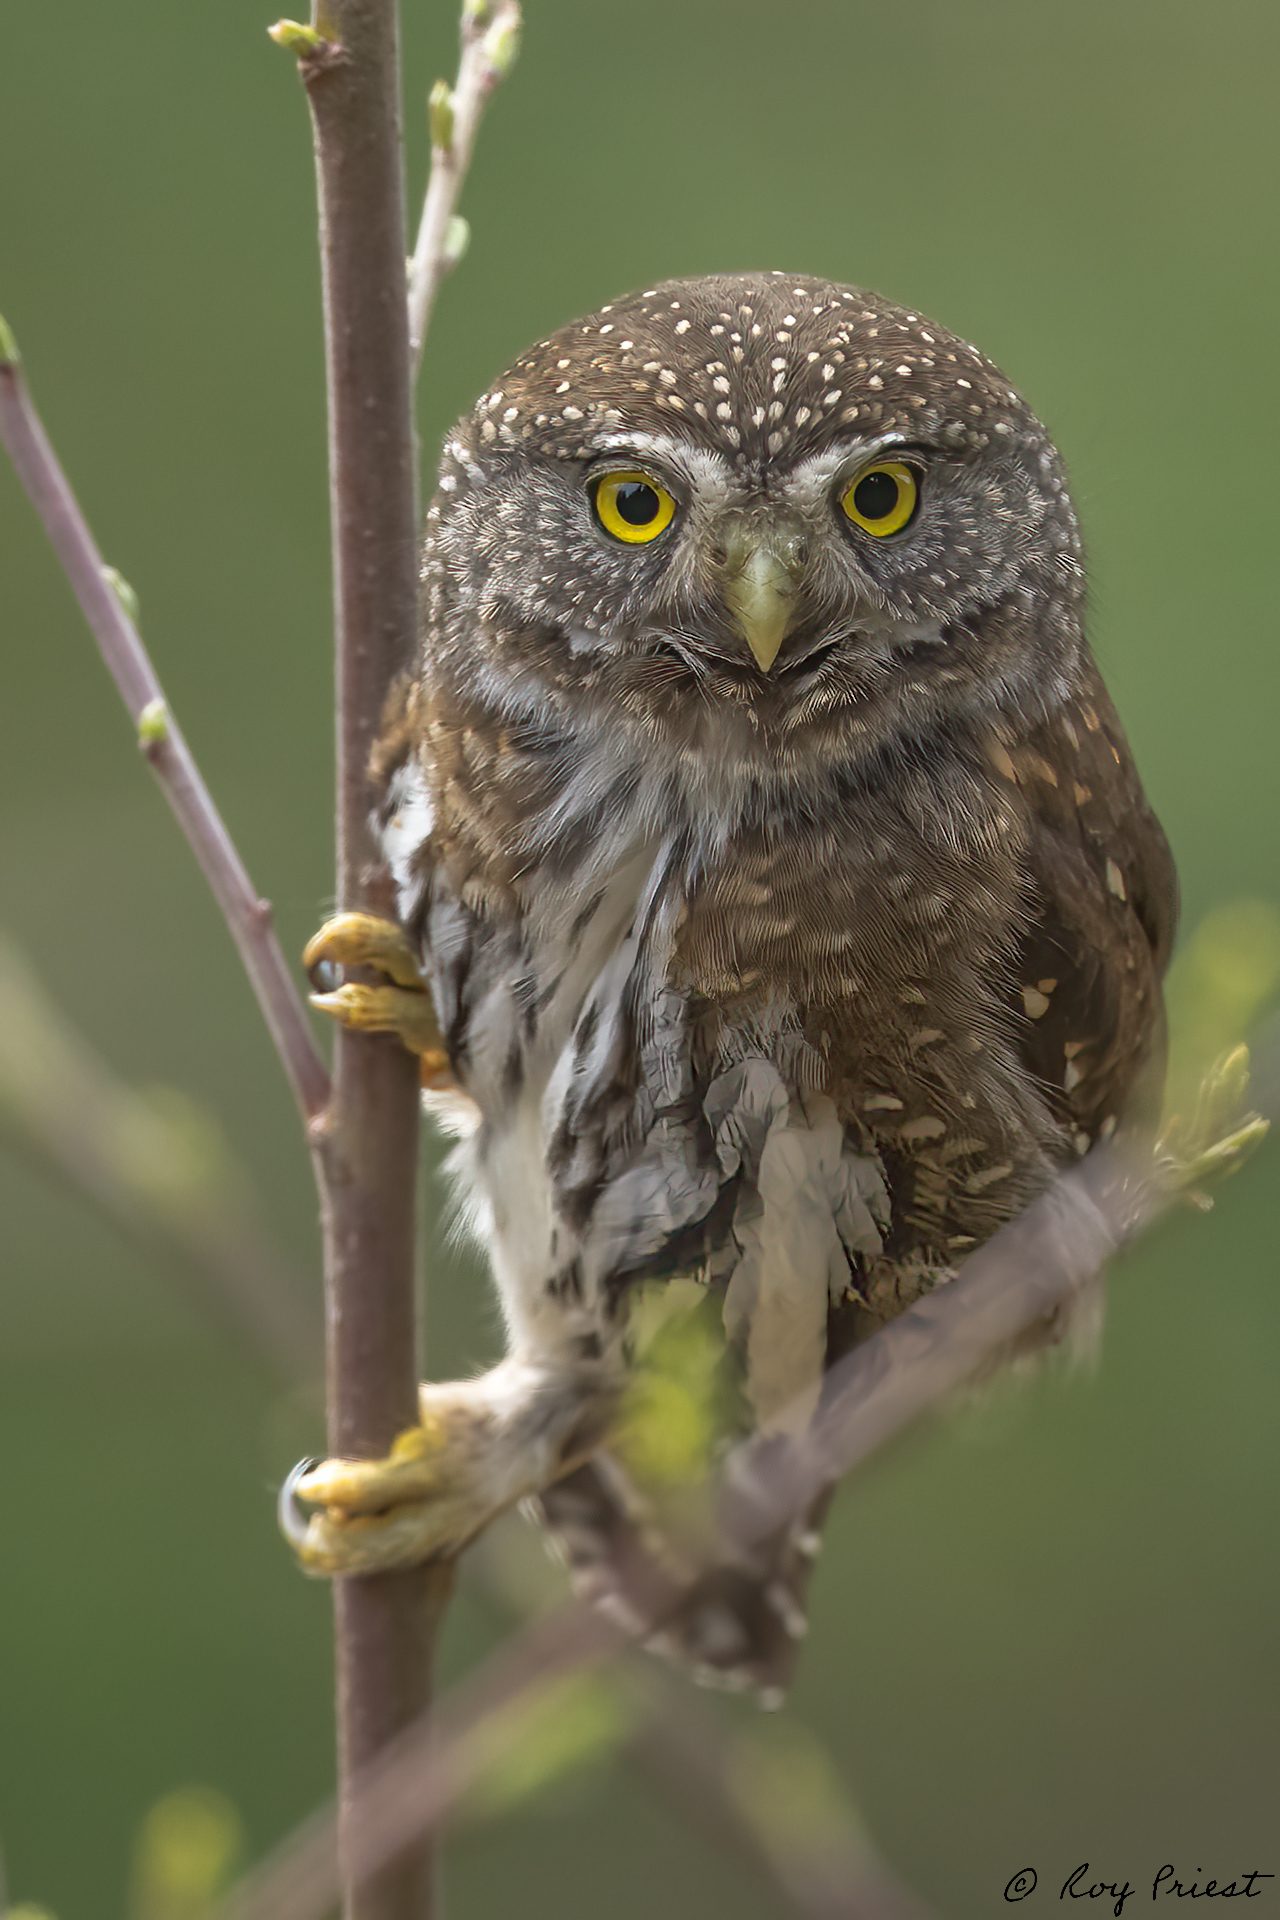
x: 762, y: 573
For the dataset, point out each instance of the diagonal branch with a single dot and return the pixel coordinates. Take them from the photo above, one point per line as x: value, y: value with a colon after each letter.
x: 1026, y: 1272
x: 103, y: 604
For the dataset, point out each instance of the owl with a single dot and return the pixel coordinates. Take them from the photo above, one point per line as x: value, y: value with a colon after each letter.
x: 781, y: 907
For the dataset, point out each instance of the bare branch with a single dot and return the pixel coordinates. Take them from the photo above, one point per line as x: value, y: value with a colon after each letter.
x: 103, y: 604
x: 366, y: 1145
x: 490, y: 36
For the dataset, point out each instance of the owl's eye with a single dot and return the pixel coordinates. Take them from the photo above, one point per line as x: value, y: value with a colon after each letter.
x: 882, y: 498
x: 632, y: 507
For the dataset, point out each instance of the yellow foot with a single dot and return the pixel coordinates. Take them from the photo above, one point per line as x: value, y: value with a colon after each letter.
x: 480, y: 1446
x: 402, y: 1007
x: 371, y: 1516
x: 1217, y: 1137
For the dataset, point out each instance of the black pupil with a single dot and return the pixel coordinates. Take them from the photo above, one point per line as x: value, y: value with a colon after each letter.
x: 637, y: 504
x: 876, y: 496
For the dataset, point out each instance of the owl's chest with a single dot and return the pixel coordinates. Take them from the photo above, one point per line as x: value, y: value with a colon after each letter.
x: 661, y: 1023
x: 859, y: 952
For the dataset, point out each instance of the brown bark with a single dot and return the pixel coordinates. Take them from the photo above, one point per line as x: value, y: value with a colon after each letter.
x: 367, y: 1141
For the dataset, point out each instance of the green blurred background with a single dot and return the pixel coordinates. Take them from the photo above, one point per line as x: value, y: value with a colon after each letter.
x: 1045, y: 1631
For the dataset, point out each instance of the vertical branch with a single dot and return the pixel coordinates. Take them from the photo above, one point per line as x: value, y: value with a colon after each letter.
x: 367, y: 1140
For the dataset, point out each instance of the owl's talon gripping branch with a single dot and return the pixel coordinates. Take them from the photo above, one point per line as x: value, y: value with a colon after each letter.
x: 402, y: 1006
x: 371, y: 1516
x: 481, y: 1446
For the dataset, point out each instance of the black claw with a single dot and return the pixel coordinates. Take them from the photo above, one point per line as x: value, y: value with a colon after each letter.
x: 325, y: 977
x: 291, y: 1515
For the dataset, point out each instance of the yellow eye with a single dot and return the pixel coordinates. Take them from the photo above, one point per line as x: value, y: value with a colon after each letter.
x: 882, y: 498
x: 633, y: 507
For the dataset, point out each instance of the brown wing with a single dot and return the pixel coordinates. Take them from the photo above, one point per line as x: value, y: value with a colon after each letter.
x: 1104, y: 907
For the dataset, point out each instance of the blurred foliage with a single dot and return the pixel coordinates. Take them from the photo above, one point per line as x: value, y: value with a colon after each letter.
x: 681, y: 1396
x: 1044, y: 1629
x: 1223, y: 981
x: 190, y: 1844
x: 186, y: 1852
x: 546, y: 1738
x: 788, y: 1788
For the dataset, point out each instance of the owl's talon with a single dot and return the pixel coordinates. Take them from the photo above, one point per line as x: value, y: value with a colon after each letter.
x: 331, y: 1545
x: 480, y: 1446
x: 290, y: 1517
x: 402, y: 1007
x: 399, y: 1010
x: 377, y: 1515
x: 365, y: 940
x: 413, y: 1470
x: 373, y: 1516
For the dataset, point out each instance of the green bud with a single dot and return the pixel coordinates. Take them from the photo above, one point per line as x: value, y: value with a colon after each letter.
x: 440, y: 116
x: 476, y: 12
x: 456, y: 240
x: 9, y: 355
x: 294, y: 37
x: 123, y: 592
x: 502, y: 43
x: 153, y: 724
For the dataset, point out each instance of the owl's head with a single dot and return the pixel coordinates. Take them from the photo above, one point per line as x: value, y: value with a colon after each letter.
x: 761, y: 503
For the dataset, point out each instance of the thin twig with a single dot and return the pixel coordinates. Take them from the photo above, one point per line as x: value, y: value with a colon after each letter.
x: 490, y: 35
x: 1025, y: 1273
x: 366, y: 1144
x: 154, y: 1164
x: 816, y: 1856
x: 247, y: 915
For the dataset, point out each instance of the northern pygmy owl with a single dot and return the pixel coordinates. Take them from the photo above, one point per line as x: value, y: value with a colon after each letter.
x: 772, y: 852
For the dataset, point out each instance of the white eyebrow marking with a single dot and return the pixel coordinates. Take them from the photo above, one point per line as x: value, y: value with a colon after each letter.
x: 705, y: 470
x: 818, y: 470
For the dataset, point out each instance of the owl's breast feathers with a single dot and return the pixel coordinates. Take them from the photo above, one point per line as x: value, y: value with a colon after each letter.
x: 953, y: 959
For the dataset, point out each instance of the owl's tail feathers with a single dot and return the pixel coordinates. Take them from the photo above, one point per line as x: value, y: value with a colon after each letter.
x: 736, y: 1627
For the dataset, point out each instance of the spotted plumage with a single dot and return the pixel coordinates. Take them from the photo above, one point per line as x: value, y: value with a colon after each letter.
x: 796, y: 972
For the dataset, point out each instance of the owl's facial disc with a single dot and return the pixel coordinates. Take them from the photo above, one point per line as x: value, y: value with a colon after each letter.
x: 761, y: 570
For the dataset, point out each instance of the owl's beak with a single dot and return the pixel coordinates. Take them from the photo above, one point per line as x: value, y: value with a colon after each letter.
x: 762, y: 571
